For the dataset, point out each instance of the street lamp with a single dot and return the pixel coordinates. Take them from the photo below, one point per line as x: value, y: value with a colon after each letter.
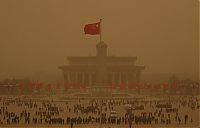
x: 130, y: 114
x: 101, y: 105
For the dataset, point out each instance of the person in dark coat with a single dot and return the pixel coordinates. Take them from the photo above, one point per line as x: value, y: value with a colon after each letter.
x: 71, y: 124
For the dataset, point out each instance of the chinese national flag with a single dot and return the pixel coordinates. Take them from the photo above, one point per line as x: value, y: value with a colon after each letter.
x: 92, y: 29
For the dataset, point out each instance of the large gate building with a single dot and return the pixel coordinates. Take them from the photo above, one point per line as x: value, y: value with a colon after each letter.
x: 101, y: 71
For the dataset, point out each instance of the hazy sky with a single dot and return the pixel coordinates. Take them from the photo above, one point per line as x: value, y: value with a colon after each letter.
x: 37, y: 35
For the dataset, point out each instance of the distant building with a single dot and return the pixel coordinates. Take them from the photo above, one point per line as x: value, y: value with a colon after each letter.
x: 101, y: 71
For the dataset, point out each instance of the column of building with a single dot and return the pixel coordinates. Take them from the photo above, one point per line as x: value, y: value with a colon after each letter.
x: 137, y: 76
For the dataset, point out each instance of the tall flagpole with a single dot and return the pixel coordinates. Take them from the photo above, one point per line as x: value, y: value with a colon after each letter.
x: 100, y: 30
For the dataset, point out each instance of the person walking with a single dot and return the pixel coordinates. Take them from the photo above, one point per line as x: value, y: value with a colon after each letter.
x: 71, y: 124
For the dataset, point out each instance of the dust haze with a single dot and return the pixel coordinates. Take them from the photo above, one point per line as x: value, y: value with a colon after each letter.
x: 37, y: 35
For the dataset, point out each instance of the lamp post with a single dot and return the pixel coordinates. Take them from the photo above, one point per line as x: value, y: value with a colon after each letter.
x: 101, y: 105
x: 129, y: 112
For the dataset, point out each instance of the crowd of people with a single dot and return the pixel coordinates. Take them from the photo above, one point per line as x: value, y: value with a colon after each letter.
x: 183, y: 110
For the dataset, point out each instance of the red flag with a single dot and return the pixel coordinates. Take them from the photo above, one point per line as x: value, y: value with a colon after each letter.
x: 67, y: 86
x: 122, y: 86
x: 131, y: 86
x: 31, y: 85
x: 58, y: 85
x: 38, y: 86
x: 92, y: 29
x: 49, y: 87
x: 165, y: 87
x: 113, y: 86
